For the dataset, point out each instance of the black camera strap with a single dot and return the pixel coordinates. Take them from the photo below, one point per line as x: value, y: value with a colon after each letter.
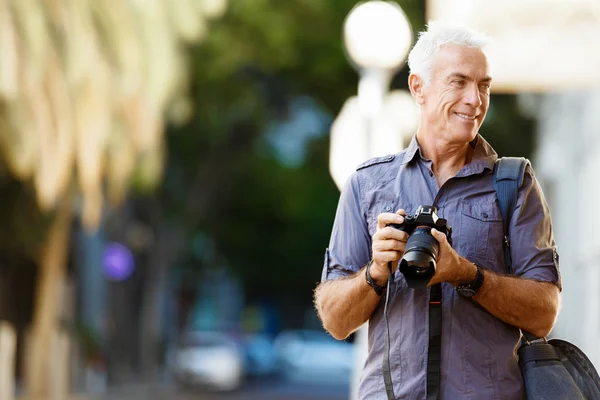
x: 434, y: 355
x: 387, y: 373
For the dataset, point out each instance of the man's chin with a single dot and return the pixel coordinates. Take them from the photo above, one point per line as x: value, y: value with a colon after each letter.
x: 464, y: 135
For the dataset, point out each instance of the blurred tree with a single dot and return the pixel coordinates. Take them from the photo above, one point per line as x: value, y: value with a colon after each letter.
x: 223, y: 177
x: 83, y: 89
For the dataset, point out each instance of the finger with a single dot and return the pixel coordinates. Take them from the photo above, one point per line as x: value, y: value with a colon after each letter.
x: 384, y: 219
x: 401, y: 211
x: 388, y: 245
x: 384, y: 257
x: 439, y: 236
x: 389, y: 232
x: 384, y: 269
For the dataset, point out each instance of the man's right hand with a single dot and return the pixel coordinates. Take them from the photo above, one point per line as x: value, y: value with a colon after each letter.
x: 388, y: 245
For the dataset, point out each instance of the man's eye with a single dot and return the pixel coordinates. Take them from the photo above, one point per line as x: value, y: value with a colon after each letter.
x: 459, y: 82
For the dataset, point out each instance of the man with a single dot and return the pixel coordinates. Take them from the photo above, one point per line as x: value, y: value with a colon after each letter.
x: 449, y: 165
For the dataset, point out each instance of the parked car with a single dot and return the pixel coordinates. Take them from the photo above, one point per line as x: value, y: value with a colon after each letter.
x: 261, y: 360
x: 312, y: 355
x: 209, y: 359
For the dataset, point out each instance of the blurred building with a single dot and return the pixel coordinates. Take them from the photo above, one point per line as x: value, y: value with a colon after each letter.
x: 567, y: 164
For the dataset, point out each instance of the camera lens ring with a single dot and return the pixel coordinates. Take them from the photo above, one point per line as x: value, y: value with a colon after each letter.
x: 419, y: 260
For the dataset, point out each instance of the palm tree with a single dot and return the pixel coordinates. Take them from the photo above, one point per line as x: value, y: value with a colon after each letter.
x: 85, y: 87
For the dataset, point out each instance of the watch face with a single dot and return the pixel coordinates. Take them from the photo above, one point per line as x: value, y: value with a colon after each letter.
x: 466, y: 292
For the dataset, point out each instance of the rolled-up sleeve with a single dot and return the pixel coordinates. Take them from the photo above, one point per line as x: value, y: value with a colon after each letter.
x: 533, y: 248
x: 349, y: 246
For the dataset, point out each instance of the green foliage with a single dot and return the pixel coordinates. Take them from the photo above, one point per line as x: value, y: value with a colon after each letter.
x: 280, y: 221
x: 270, y: 222
x: 24, y: 226
x: 506, y: 129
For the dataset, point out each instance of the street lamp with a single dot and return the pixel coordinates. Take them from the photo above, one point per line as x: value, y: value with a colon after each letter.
x: 377, y: 39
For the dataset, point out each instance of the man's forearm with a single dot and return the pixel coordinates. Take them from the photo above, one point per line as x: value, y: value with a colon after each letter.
x: 524, y: 303
x: 345, y: 304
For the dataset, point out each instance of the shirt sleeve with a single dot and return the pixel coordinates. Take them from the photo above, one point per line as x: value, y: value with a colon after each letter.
x: 350, y: 244
x: 533, y: 248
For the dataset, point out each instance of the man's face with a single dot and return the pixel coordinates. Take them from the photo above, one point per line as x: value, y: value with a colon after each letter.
x: 456, y: 101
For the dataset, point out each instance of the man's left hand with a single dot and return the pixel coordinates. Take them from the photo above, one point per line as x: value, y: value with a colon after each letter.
x: 450, y: 267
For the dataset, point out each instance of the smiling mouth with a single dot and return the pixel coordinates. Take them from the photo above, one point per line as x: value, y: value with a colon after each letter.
x: 466, y: 117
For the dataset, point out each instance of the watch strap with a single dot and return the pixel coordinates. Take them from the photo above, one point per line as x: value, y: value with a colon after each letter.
x: 378, y: 288
x: 471, y: 289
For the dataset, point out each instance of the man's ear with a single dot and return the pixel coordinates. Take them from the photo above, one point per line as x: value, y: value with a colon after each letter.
x: 416, y: 84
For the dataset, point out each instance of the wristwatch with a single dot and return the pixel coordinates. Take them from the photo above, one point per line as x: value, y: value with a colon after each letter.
x: 470, y: 289
x: 378, y: 288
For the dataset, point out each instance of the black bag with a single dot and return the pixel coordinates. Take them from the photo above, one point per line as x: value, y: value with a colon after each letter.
x: 552, y: 369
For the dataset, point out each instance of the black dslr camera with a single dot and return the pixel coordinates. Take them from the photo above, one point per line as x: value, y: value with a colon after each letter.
x: 420, y: 254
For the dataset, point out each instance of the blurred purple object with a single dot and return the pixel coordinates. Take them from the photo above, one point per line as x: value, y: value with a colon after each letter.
x: 117, y: 261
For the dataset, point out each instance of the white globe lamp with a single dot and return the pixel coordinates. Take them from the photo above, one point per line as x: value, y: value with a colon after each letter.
x: 377, y: 34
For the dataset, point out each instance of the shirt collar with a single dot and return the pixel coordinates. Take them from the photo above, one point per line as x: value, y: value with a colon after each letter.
x: 411, y: 150
x: 484, y: 156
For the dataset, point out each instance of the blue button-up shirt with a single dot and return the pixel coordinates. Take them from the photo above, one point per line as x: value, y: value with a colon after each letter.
x: 478, y: 350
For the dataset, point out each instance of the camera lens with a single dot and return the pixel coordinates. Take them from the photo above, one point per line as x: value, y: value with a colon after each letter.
x: 419, y: 259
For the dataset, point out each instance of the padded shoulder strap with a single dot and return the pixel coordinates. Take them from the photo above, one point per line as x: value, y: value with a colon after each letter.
x: 507, y: 179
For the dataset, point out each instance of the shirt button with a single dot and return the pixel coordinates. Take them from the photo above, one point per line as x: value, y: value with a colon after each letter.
x: 430, y: 173
x: 485, y: 215
x: 388, y: 208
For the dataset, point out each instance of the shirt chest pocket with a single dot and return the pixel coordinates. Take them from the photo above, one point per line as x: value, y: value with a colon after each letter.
x: 481, y: 231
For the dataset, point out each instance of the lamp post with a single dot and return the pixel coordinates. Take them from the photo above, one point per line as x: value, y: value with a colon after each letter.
x: 377, y: 39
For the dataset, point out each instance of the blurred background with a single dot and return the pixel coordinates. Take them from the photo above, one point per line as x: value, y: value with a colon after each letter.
x: 169, y: 174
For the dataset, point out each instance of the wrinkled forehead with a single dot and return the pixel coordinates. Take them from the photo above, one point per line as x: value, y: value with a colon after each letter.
x: 458, y: 59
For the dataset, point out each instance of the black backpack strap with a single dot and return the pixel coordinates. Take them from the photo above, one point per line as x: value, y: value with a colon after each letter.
x: 507, y: 179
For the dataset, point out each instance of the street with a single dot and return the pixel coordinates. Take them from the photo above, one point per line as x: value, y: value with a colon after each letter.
x: 257, y: 390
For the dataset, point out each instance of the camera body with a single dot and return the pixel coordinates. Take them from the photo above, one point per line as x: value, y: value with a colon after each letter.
x: 418, y: 262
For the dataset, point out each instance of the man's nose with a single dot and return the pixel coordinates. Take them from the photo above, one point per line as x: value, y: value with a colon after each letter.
x: 473, y: 97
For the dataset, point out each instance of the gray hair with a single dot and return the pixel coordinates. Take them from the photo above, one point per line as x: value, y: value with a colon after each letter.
x: 420, y: 58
